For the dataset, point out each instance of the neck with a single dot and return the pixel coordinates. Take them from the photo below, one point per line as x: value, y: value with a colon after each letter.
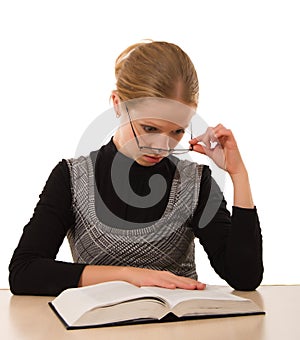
x: 116, y: 139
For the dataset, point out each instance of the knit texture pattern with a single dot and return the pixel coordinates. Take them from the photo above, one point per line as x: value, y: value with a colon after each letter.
x: 166, y: 244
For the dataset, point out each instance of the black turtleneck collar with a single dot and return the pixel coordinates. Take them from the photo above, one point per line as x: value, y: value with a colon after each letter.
x: 109, y: 162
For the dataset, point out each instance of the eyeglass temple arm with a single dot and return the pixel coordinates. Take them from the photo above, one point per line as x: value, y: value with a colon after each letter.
x: 135, y: 136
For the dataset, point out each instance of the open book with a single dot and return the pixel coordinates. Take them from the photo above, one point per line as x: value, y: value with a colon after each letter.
x: 119, y: 302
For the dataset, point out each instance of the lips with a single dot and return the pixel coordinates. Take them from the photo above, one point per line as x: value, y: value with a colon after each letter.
x: 152, y: 159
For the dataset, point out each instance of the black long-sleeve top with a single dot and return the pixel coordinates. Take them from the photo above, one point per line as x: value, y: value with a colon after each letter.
x: 233, y: 243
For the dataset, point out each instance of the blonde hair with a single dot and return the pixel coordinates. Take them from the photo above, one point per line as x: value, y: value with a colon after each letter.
x: 156, y: 69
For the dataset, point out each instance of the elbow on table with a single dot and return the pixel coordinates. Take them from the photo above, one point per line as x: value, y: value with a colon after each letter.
x: 15, y: 286
x: 246, y: 283
x: 18, y: 279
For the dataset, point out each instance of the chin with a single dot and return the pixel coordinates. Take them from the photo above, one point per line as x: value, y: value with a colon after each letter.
x: 143, y: 163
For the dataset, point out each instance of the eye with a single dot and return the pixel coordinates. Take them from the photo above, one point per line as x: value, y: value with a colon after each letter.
x: 148, y: 128
x: 179, y: 131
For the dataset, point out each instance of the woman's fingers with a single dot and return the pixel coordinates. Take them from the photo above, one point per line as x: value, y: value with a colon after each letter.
x: 199, y: 148
x: 212, y: 144
x: 183, y: 285
x: 175, y: 281
x: 206, y: 141
x: 219, y: 144
x: 165, y: 279
x: 186, y: 283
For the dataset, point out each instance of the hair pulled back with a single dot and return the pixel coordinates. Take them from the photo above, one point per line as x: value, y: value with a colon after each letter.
x: 156, y: 69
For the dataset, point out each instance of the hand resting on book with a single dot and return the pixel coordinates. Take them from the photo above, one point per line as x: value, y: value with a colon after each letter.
x: 137, y: 276
x: 148, y: 277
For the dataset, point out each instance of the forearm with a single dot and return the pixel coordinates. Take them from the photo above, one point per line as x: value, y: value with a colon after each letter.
x: 242, y: 196
x: 42, y: 276
x: 243, y: 264
x: 234, y: 246
x: 96, y: 274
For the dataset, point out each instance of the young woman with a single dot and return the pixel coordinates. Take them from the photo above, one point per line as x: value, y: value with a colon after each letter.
x: 132, y: 209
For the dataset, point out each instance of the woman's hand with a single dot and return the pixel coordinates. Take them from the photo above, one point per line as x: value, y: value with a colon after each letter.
x: 93, y: 274
x: 219, y: 144
x: 148, y: 277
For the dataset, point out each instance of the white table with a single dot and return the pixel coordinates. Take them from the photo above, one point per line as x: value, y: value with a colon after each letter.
x: 30, y: 317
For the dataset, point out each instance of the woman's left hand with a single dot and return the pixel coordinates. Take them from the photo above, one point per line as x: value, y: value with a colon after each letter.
x: 219, y: 144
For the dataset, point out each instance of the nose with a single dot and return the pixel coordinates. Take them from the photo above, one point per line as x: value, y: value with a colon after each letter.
x: 160, y: 141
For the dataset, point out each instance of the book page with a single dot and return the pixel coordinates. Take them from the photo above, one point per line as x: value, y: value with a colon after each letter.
x: 110, y: 293
x: 175, y: 296
x: 141, y: 309
x: 74, y: 302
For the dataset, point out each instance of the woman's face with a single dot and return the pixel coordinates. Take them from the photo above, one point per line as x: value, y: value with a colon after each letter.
x: 155, y: 124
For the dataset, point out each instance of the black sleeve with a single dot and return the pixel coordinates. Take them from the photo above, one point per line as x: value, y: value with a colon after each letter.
x: 33, y: 269
x: 233, y: 243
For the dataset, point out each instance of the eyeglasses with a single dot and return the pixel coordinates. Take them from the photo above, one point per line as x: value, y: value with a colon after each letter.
x: 157, y: 150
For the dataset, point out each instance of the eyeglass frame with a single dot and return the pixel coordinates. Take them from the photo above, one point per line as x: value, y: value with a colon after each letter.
x: 158, y: 150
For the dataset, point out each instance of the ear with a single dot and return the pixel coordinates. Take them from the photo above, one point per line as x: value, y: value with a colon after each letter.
x: 116, y: 102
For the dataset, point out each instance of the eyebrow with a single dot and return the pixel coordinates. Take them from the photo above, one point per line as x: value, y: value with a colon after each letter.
x: 149, y: 123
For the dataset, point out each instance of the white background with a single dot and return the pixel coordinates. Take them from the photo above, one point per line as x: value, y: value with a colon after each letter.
x: 57, y: 71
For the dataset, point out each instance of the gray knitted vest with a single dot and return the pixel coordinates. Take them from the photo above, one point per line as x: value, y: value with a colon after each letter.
x: 166, y: 244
